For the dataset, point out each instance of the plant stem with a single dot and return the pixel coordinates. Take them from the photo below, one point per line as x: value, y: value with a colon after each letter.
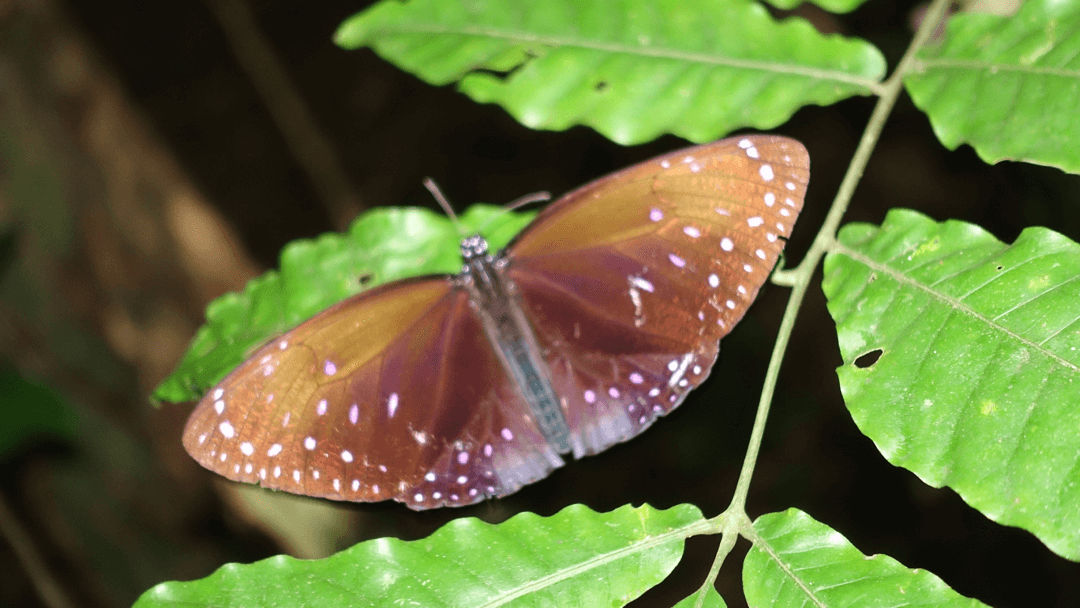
x: 50, y: 591
x: 800, y: 277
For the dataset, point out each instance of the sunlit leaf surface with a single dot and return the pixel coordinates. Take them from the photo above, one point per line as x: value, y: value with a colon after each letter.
x: 962, y: 362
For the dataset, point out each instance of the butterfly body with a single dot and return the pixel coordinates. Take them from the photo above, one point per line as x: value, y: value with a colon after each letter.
x: 597, y: 319
x: 494, y: 301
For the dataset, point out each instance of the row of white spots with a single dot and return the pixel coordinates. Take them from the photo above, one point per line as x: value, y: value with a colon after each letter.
x: 676, y: 367
x: 748, y: 147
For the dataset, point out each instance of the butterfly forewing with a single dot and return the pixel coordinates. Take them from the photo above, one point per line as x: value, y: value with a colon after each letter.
x: 630, y: 281
x: 366, y: 402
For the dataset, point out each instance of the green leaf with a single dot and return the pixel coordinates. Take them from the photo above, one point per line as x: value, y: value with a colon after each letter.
x: 32, y: 411
x: 799, y: 561
x: 978, y: 382
x: 1009, y: 86
x: 710, y: 599
x: 380, y: 246
x: 835, y: 6
x: 631, y: 69
x: 576, y: 557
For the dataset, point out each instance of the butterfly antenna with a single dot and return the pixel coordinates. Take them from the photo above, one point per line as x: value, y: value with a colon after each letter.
x: 518, y: 203
x: 528, y: 199
x: 437, y: 194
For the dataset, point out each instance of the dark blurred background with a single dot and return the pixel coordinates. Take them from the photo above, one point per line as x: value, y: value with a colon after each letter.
x: 156, y: 155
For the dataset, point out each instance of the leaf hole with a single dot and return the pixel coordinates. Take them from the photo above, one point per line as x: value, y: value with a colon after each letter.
x: 999, y: 268
x: 364, y: 279
x: 868, y: 359
x: 600, y: 86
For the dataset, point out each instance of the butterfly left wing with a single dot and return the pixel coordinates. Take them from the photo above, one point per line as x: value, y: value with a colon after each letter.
x: 630, y: 281
x: 392, y: 394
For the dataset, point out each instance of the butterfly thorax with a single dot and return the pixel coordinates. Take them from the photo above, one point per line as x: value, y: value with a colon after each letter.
x: 493, y: 297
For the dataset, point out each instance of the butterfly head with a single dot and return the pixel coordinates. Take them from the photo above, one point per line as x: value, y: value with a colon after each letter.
x: 473, y: 247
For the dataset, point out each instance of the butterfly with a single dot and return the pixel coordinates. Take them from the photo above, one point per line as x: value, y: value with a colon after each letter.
x: 599, y: 317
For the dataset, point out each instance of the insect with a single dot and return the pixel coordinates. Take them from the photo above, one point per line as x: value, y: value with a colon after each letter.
x: 599, y: 317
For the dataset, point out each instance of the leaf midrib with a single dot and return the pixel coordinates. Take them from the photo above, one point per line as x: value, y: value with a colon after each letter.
x: 562, y: 574
x: 955, y: 303
x: 975, y: 64
x: 521, y: 37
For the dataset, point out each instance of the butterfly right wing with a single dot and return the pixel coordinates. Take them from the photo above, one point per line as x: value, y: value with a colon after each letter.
x: 395, y: 393
x: 630, y: 281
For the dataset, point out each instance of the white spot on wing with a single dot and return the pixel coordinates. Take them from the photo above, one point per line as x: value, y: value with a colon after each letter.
x: 727, y: 244
x: 227, y: 429
x: 766, y: 172
x: 680, y: 369
x: 640, y: 283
